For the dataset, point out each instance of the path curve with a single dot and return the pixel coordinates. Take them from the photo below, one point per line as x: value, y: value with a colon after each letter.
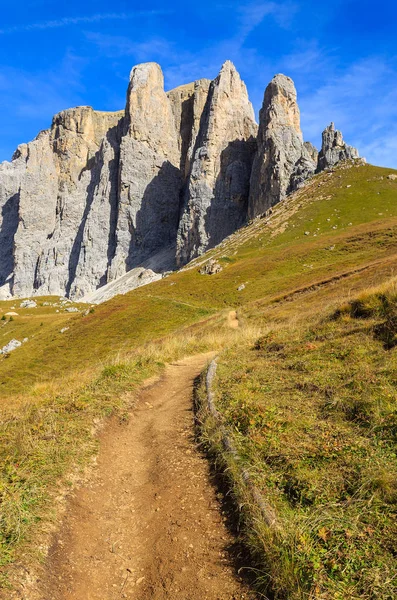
x: 147, y: 525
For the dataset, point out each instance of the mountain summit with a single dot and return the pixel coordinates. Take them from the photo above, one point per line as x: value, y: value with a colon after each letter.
x: 146, y: 189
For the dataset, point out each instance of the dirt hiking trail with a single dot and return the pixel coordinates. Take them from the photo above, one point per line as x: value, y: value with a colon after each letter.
x: 147, y: 524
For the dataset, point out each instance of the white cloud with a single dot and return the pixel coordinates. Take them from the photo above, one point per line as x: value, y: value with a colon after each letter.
x: 68, y: 21
x: 114, y: 46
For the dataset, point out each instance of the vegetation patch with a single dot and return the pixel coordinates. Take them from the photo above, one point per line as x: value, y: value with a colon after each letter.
x: 310, y: 407
x: 313, y: 413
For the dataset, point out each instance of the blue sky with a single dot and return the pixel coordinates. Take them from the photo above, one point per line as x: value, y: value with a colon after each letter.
x: 342, y: 56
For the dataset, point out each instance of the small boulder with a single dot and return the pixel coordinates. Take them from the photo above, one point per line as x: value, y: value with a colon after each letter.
x: 211, y: 267
x: 71, y: 309
x: 392, y: 176
x: 28, y: 304
x: 12, y: 345
x: 241, y: 287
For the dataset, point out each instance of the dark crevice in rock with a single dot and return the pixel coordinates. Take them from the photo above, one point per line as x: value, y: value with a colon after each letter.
x: 229, y: 207
x: 114, y: 139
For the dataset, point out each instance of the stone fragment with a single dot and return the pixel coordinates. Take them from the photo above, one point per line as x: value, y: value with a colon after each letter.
x: 12, y: 345
x: 28, y: 304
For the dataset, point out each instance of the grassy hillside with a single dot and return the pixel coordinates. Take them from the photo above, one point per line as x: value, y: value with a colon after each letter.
x: 339, y: 222
x: 317, y: 250
x: 312, y: 410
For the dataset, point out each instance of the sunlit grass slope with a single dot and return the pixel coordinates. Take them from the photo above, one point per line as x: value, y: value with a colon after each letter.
x: 339, y: 222
x: 316, y: 250
x: 312, y: 410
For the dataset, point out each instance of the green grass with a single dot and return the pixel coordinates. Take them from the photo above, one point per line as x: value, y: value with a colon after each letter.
x: 269, y: 257
x: 313, y: 413
x: 91, y: 340
x: 106, y: 352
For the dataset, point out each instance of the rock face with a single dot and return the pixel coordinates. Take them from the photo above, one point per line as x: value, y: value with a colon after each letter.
x: 52, y: 216
x: 149, y: 172
x: 11, y: 175
x: 334, y: 149
x: 282, y: 160
x: 217, y: 189
x: 187, y: 103
x: 112, y: 200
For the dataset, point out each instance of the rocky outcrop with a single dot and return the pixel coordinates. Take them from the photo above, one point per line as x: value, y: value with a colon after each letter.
x: 312, y: 151
x: 149, y: 172
x: 58, y: 177
x: 104, y: 202
x: 211, y: 267
x: 187, y: 103
x: 217, y: 189
x: 282, y: 160
x: 334, y: 149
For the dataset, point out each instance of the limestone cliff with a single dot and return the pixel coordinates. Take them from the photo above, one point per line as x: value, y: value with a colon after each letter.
x: 334, y: 149
x: 149, y: 172
x: 282, y: 161
x: 216, y: 194
x: 142, y: 190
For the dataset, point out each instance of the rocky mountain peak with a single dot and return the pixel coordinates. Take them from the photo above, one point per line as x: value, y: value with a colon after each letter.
x: 280, y: 104
x: 110, y: 200
x: 147, y: 74
x: 228, y: 68
x: 334, y: 149
x: 215, y: 197
x: 281, y: 150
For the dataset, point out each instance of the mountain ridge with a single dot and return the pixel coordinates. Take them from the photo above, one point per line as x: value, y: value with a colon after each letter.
x: 99, y: 193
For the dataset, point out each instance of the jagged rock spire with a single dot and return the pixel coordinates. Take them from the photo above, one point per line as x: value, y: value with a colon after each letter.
x: 281, y: 152
x: 216, y: 194
x: 173, y: 174
x: 334, y: 149
x: 149, y: 175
